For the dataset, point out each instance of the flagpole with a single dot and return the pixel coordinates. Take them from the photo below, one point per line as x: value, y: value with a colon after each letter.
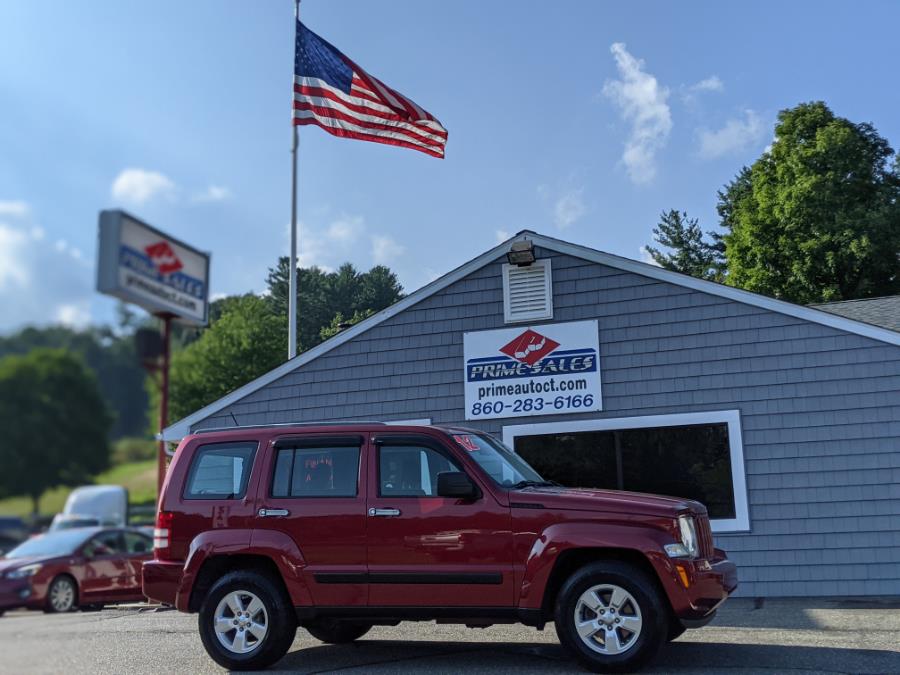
x: 292, y: 285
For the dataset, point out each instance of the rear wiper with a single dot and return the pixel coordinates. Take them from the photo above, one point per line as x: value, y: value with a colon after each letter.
x: 535, y: 483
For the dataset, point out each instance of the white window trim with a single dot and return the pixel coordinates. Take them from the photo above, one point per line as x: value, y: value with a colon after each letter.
x: 548, y: 289
x: 741, y: 521
x: 423, y: 421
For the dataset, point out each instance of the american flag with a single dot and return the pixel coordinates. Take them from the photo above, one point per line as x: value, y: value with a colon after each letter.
x: 336, y: 94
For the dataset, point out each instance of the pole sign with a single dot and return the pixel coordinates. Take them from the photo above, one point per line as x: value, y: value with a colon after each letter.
x: 543, y: 370
x: 141, y: 265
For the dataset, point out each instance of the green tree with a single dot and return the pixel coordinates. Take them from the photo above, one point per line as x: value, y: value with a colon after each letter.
x: 323, y: 295
x: 109, y: 355
x: 690, y: 252
x: 247, y: 340
x: 55, y: 423
x: 817, y: 217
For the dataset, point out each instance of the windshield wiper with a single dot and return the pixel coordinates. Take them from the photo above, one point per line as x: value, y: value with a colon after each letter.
x: 535, y: 483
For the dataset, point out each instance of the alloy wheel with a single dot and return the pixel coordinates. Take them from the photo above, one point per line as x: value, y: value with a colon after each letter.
x: 241, y: 622
x: 608, y: 619
x: 62, y: 595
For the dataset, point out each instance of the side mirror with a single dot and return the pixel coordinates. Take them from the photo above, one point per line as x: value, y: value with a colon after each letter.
x: 456, y: 484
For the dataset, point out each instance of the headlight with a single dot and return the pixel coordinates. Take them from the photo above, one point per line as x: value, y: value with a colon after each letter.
x: 23, y: 572
x: 689, y: 547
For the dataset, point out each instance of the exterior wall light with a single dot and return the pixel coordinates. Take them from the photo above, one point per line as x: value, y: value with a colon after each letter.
x: 521, y: 253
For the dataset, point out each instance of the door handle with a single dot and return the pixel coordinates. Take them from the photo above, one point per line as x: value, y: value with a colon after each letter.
x: 268, y: 513
x: 384, y: 512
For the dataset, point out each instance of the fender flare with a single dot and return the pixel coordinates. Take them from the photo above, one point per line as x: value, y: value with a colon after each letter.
x: 561, y: 537
x: 271, y: 544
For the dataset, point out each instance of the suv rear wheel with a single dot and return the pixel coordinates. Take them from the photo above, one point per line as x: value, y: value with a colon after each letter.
x: 611, y: 617
x: 337, y: 632
x: 246, y: 622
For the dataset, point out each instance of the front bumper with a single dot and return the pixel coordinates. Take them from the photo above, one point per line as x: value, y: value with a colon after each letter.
x: 709, y: 583
x: 15, y: 593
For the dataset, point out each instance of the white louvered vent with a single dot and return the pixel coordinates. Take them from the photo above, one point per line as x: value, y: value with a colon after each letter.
x: 527, y: 292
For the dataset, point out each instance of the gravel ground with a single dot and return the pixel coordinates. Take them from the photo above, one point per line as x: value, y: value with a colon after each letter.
x: 795, y: 636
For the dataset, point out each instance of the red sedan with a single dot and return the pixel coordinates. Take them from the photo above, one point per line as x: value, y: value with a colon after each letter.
x: 60, y: 571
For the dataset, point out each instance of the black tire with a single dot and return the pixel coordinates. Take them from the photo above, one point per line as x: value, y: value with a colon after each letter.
x: 281, y: 621
x: 337, y: 632
x: 650, y: 606
x: 676, y: 630
x: 62, y: 595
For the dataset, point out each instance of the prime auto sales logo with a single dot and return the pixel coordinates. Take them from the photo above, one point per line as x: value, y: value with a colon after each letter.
x: 165, y: 259
x: 531, y: 355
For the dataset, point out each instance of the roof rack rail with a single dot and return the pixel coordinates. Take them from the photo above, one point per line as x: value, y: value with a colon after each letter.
x: 290, y: 424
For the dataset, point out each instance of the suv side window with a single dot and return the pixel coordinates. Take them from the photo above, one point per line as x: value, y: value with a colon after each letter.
x: 220, y: 471
x: 410, y: 470
x: 316, y: 472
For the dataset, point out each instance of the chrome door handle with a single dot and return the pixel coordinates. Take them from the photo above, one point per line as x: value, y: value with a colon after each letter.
x: 384, y: 512
x: 266, y: 513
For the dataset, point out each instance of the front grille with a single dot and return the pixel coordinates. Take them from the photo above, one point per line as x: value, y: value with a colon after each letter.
x: 705, y: 537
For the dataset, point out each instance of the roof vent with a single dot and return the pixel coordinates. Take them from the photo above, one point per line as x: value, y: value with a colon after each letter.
x: 527, y: 292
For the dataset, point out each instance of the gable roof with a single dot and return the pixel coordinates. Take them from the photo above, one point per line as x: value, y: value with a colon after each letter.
x: 884, y: 312
x: 182, y: 428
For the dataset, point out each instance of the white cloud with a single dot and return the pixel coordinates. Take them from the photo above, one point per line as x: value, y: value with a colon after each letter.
x: 14, y: 209
x: 643, y: 102
x: 214, y: 193
x: 76, y: 315
x: 569, y: 208
x: 339, y: 241
x: 346, y: 229
x: 646, y: 257
x: 737, y: 135
x: 40, y: 282
x: 140, y: 185
x: 711, y: 83
x: 501, y: 235
x: 385, y: 250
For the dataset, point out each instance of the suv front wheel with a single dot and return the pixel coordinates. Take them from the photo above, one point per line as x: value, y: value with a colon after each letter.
x: 610, y: 616
x: 246, y: 622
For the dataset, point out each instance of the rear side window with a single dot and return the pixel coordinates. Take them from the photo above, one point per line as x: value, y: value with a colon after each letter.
x: 220, y: 471
x: 316, y: 472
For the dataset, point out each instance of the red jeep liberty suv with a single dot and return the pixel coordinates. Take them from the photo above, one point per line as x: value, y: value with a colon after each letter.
x: 339, y: 527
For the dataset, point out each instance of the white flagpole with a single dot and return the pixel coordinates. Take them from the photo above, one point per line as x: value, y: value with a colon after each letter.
x: 292, y: 285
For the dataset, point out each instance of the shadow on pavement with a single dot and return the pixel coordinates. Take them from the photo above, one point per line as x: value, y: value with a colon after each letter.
x: 503, y: 657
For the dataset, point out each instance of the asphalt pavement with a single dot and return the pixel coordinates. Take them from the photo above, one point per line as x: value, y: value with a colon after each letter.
x: 782, y: 636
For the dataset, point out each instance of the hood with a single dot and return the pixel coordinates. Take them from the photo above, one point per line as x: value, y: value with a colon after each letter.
x: 590, y: 499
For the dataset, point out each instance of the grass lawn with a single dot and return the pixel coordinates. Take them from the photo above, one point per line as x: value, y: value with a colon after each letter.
x: 138, y: 477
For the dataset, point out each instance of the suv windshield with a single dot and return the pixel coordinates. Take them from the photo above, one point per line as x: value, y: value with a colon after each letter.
x: 504, y: 466
x: 64, y: 542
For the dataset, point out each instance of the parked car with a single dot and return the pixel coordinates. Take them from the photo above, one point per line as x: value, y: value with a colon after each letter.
x: 106, y: 504
x: 85, y: 567
x: 339, y: 528
x: 70, y: 521
x: 12, y: 531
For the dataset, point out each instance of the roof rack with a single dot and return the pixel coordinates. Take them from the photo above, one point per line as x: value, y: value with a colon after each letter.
x: 291, y: 424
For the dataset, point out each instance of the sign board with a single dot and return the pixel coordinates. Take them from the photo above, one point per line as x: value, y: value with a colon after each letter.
x: 550, y: 369
x: 143, y: 266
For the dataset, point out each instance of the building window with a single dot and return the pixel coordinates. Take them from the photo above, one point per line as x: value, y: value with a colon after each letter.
x: 527, y: 292
x: 696, y: 456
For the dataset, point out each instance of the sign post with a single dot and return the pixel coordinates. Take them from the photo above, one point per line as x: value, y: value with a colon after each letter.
x: 143, y: 266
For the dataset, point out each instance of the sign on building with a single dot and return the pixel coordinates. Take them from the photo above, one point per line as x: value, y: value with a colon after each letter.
x: 141, y: 265
x: 546, y: 370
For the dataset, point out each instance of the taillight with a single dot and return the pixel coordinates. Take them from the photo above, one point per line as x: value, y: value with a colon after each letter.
x: 162, y: 534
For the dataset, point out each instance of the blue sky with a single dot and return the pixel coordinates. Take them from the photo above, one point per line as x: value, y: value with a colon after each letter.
x: 581, y: 120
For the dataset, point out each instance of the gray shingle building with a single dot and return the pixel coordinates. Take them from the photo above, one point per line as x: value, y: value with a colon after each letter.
x: 604, y: 371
